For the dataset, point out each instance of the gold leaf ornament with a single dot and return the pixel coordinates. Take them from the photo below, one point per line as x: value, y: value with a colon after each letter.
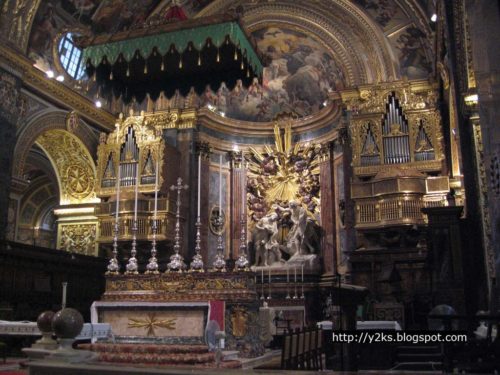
x: 151, y: 322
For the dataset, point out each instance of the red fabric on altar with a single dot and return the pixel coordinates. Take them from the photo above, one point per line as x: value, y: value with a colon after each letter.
x: 216, y: 312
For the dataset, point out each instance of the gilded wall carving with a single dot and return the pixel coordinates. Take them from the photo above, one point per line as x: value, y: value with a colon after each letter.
x: 286, y: 173
x: 17, y: 17
x: 39, y: 125
x: 78, y: 238
x: 495, y: 174
x: 74, y: 166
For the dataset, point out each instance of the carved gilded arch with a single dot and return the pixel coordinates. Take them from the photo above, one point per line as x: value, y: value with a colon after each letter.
x: 75, y: 168
x: 43, y: 123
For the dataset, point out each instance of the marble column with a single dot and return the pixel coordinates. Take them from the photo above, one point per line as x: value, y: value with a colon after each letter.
x: 11, y: 110
x: 328, y: 209
x: 349, y: 214
x: 237, y: 178
x: 204, y: 149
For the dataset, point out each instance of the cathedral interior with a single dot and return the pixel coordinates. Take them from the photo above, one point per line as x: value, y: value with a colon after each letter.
x: 171, y: 166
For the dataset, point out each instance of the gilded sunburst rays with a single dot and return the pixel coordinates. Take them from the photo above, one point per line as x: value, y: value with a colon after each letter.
x: 287, y: 172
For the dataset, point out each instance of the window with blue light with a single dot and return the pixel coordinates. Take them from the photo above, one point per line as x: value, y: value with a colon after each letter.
x: 71, y: 57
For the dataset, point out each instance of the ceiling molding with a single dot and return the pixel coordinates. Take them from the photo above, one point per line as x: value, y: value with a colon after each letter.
x: 54, y: 91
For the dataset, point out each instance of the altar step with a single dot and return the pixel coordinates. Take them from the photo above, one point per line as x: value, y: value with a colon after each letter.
x: 159, y: 355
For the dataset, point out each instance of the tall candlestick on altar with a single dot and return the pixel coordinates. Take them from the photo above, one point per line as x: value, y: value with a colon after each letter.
x: 302, y: 284
x: 287, y: 283
x: 117, y: 194
x: 136, y: 192
x: 156, y: 190
x: 199, y: 183
x: 152, y: 266
x: 295, y: 282
x: 269, y: 292
x: 219, y: 263
x: 132, y: 266
x: 220, y: 185
x: 262, y: 283
x: 243, y: 187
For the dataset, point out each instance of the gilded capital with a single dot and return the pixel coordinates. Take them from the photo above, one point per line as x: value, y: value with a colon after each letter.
x: 236, y: 158
x: 204, y: 149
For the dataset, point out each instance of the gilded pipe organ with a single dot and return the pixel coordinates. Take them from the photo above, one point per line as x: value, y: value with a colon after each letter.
x: 399, y: 179
x: 397, y: 146
x: 134, y: 153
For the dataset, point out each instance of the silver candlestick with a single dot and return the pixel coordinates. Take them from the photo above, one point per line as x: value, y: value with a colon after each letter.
x: 152, y: 267
x: 262, y: 296
x: 219, y: 262
x: 132, y: 266
x: 177, y: 261
x: 269, y: 284
x: 295, y: 296
x: 197, y: 262
x: 242, y: 262
x: 113, y: 266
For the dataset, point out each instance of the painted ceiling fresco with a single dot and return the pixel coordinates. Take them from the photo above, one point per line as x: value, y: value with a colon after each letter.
x: 300, y: 71
x: 407, y: 39
x: 106, y: 16
x: 297, y: 79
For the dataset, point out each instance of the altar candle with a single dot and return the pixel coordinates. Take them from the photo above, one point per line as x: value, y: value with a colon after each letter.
x: 243, y: 188
x: 269, y: 293
x: 118, y: 193
x: 136, y: 192
x: 64, y: 286
x: 199, y: 183
x: 262, y: 275
x: 295, y: 274
x: 156, y: 190
x: 220, y: 184
x: 287, y: 275
x: 302, y: 271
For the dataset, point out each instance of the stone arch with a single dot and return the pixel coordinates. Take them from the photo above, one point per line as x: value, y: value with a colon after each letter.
x: 45, y: 122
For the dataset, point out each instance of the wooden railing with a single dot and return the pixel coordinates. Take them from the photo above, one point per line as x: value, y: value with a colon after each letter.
x: 302, y: 349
